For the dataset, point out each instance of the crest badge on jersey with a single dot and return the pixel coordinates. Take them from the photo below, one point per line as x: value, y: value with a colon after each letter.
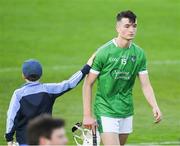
x: 133, y: 58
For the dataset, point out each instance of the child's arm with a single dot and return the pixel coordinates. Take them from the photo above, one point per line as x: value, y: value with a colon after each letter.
x: 11, y: 115
x: 57, y: 89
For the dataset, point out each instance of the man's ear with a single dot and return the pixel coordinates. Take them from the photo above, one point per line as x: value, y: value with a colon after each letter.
x: 44, y: 141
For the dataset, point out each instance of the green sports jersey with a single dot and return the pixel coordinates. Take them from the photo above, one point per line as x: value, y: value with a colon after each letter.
x: 117, y: 68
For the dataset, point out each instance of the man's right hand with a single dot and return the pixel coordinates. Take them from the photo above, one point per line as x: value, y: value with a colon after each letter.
x: 89, y: 122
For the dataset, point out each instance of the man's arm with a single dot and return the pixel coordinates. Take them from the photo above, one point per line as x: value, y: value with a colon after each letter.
x: 98, y: 63
x: 88, y: 120
x: 150, y: 97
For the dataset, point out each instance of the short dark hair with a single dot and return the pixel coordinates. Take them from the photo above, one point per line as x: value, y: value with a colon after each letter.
x: 126, y: 14
x: 33, y: 77
x: 42, y: 126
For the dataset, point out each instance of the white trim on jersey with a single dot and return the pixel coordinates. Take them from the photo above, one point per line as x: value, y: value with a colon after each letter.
x: 143, y: 72
x: 115, y: 43
x: 94, y: 71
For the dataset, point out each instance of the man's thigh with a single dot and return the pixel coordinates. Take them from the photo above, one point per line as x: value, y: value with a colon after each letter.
x: 114, y: 130
x: 123, y: 138
x: 110, y: 139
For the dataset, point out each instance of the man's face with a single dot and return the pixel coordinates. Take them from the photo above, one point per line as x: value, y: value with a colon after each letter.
x: 58, y: 137
x: 126, y: 29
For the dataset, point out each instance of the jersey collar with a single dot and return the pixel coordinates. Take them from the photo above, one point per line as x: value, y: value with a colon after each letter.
x: 115, y: 43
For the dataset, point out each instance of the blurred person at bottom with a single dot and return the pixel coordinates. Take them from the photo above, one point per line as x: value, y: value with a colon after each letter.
x: 45, y: 130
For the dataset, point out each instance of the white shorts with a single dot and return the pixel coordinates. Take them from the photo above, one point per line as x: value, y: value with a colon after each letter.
x: 116, y: 125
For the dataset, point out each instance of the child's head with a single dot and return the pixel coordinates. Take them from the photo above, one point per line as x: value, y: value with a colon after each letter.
x: 32, y: 70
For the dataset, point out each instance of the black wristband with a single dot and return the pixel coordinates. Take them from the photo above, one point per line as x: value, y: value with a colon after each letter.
x: 86, y: 69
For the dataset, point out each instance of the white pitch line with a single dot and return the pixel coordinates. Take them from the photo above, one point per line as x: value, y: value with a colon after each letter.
x: 156, y: 143
x: 61, y: 67
x: 165, y: 62
x: 10, y: 69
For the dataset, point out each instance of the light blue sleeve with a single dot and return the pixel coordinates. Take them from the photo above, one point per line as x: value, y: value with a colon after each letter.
x: 58, y: 89
x: 11, y: 114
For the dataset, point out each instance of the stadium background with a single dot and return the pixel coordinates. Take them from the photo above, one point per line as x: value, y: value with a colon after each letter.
x: 62, y: 34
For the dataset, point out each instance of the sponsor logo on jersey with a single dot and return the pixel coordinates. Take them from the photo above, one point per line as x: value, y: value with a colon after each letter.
x: 113, y: 59
x: 119, y: 74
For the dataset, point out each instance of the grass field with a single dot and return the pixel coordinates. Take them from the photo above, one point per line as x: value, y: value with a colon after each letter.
x: 62, y: 34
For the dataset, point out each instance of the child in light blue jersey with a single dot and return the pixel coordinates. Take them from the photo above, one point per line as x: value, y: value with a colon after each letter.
x: 35, y: 98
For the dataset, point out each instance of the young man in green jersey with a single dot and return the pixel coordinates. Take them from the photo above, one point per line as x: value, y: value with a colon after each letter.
x: 116, y: 66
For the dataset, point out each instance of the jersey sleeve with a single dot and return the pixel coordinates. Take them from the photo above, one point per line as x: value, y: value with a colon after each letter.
x: 98, y: 62
x: 11, y: 116
x: 143, y: 65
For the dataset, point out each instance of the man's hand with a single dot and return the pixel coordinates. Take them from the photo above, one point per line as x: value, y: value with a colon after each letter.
x: 157, y: 114
x: 89, y: 122
x: 90, y: 61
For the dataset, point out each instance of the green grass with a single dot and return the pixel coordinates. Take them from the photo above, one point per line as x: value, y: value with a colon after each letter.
x: 65, y: 33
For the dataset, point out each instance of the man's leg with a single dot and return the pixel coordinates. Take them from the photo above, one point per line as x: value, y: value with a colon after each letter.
x: 125, y: 129
x: 123, y: 138
x: 109, y: 129
x: 114, y: 131
x: 110, y: 139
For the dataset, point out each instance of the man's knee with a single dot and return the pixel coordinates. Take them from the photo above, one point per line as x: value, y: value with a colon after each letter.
x: 110, y: 139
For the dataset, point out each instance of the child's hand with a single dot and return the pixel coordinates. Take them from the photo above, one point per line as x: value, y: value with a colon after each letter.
x: 90, y: 61
x: 10, y: 143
